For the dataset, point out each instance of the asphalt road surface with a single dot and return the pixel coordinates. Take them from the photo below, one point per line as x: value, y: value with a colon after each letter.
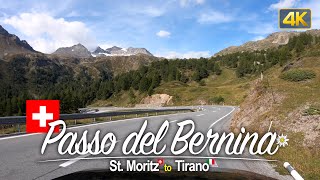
x: 20, y: 155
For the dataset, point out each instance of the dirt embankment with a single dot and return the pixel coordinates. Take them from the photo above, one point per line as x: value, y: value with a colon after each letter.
x: 260, y: 108
x: 254, y: 111
x: 156, y: 100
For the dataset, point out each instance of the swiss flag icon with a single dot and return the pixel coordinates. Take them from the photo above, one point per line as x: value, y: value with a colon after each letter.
x: 40, y: 113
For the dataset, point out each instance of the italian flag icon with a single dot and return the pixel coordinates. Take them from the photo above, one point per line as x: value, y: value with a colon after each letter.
x: 212, y: 163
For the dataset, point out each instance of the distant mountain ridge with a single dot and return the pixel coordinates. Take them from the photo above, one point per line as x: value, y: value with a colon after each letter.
x: 273, y: 40
x: 118, y: 51
x: 80, y: 51
x: 11, y: 44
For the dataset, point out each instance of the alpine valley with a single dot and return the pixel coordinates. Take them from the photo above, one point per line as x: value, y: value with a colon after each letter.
x: 276, y: 79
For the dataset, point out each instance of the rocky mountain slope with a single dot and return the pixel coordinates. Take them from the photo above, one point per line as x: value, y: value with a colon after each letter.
x: 99, y: 50
x: 11, y: 44
x: 273, y: 40
x: 20, y: 62
x: 76, y: 51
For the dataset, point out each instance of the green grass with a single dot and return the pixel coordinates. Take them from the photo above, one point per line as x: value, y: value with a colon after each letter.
x: 227, y: 86
x: 311, y: 111
x: 297, y: 93
x: 296, y: 75
x: 306, y: 160
x: 122, y: 99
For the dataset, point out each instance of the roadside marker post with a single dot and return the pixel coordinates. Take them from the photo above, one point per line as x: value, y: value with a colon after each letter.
x: 292, y: 171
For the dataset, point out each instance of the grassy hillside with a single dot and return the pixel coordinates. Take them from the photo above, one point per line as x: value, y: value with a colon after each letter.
x: 232, y: 89
x: 303, y: 152
x: 227, y: 86
x: 76, y: 82
x: 294, y: 109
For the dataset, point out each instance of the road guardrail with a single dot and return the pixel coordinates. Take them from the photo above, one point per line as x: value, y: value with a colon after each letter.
x: 22, y: 119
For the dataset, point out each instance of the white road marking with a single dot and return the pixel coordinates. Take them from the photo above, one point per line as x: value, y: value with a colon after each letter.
x: 24, y: 135
x: 214, y: 111
x: 173, y: 121
x: 222, y: 118
x: 200, y: 114
x: 208, y: 153
x: 68, y: 163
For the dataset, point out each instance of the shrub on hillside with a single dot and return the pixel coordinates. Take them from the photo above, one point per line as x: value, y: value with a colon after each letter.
x: 216, y: 100
x: 202, y: 83
x: 296, y: 75
x: 311, y: 111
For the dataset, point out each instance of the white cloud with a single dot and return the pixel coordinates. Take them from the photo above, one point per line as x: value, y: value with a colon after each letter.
x: 214, y: 17
x: 185, y: 3
x: 106, y: 45
x: 200, y: 1
x: 257, y: 38
x: 283, y: 4
x: 187, y: 55
x: 46, y: 34
x: 145, y: 11
x: 163, y: 33
x: 152, y: 11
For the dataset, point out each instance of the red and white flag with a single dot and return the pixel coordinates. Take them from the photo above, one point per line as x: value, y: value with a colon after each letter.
x: 40, y: 113
x: 212, y: 162
x: 160, y: 161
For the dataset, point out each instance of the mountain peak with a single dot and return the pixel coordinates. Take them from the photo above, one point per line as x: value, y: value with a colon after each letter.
x: 11, y: 44
x: 77, y: 51
x: 138, y: 51
x: 3, y: 31
x: 79, y: 45
x: 99, y: 50
x: 114, y: 48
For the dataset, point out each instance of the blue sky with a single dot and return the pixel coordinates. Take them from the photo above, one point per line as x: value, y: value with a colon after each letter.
x: 174, y: 28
